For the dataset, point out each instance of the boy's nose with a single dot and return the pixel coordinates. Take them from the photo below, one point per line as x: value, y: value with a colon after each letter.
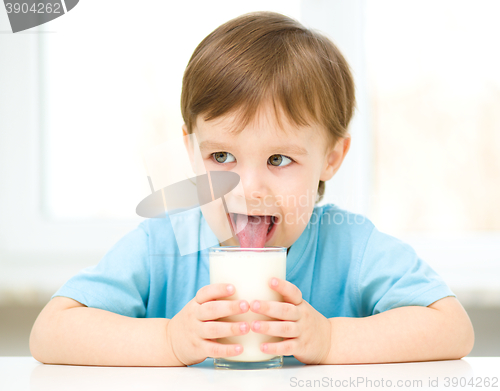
x: 256, y: 188
x: 254, y: 184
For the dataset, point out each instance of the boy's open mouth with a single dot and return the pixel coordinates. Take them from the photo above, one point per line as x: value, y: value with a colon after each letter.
x: 253, y: 230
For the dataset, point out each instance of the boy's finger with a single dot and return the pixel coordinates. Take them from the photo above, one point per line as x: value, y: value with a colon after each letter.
x: 286, y: 347
x: 290, y: 293
x: 276, y: 309
x: 218, y: 350
x: 276, y: 329
x: 214, y: 330
x: 212, y: 310
x: 213, y: 291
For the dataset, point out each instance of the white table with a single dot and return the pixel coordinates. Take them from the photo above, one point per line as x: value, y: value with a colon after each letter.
x: 25, y: 373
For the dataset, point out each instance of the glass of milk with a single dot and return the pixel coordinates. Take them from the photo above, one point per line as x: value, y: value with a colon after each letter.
x: 249, y: 270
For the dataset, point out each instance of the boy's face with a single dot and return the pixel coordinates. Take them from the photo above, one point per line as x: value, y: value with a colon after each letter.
x: 280, y: 171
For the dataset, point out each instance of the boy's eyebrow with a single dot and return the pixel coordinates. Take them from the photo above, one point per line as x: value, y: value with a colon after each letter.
x: 288, y: 149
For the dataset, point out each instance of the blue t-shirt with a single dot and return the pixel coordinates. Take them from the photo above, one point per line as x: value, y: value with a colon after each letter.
x: 343, y: 265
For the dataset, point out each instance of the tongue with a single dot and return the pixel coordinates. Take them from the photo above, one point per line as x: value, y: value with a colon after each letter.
x: 252, y: 232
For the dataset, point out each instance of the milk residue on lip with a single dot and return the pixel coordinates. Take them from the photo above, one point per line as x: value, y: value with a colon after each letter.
x: 249, y: 272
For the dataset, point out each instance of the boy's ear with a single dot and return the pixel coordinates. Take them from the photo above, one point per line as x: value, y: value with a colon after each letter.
x: 334, y: 157
x: 186, y: 142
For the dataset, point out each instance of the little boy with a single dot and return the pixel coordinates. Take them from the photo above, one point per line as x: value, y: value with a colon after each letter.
x: 269, y: 100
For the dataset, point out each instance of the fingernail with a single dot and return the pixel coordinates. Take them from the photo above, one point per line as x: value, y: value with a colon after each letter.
x: 243, y: 327
x: 264, y: 347
x: 256, y: 306
x: 256, y: 326
x: 238, y: 349
x: 243, y: 306
x: 274, y: 282
x: 230, y: 288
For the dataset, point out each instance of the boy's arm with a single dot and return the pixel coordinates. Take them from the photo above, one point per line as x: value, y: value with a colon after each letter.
x: 441, y: 331
x: 67, y: 332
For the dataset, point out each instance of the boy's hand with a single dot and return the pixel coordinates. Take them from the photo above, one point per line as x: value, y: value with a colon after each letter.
x: 192, y: 332
x: 306, y: 333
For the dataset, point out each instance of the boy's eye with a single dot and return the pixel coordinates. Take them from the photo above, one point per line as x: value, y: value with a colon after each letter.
x: 276, y: 160
x: 222, y: 157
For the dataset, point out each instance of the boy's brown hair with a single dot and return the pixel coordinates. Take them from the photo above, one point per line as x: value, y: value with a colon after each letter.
x: 265, y: 56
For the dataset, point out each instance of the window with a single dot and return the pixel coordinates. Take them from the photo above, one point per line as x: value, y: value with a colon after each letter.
x: 87, y: 94
x: 112, y: 91
x: 434, y: 93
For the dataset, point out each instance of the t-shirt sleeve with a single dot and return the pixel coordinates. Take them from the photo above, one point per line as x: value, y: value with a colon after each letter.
x: 392, y: 275
x: 119, y: 283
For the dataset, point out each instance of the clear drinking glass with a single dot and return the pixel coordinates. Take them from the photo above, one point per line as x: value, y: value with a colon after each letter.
x: 249, y: 270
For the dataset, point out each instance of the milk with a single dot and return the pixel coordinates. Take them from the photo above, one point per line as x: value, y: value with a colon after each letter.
x: 249, y: 270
